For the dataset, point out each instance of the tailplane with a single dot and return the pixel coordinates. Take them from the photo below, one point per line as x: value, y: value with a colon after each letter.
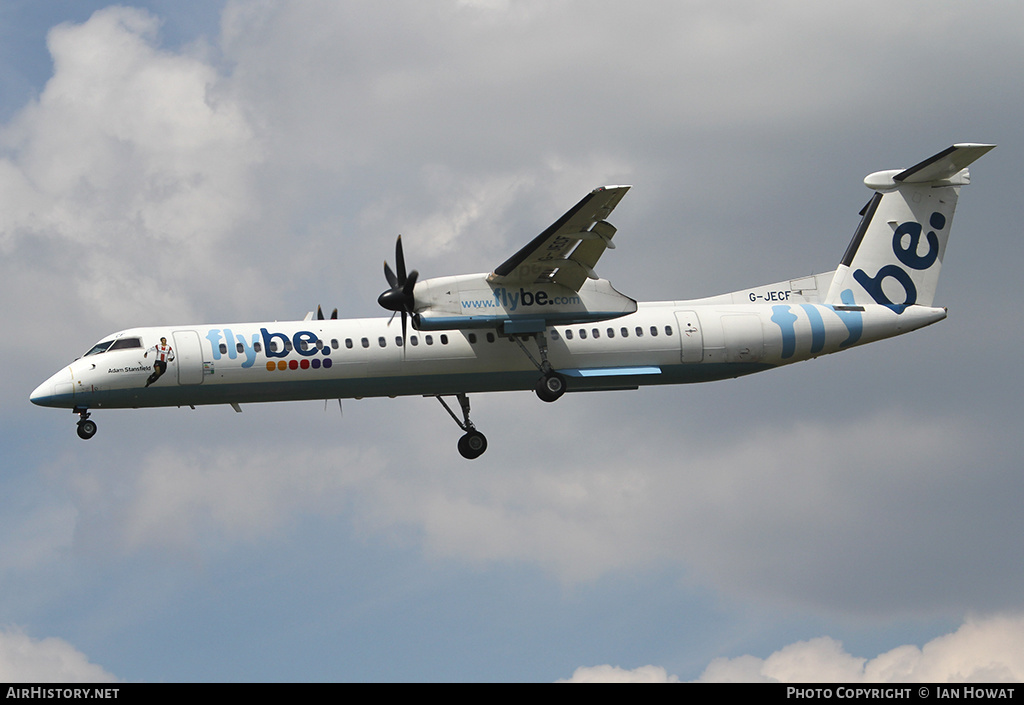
x: 896, y: 253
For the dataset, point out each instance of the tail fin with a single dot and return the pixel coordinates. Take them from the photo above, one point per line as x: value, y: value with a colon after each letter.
x: 896, y: 253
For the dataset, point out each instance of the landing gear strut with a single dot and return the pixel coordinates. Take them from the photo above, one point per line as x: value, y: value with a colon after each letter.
x: 473, y: 444
x: 86, y: 428
x: 552, y: 385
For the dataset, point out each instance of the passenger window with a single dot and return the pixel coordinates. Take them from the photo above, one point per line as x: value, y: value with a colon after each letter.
x: 257, y: 347
x: 348, y: 343
x: 611, y: 332
x: 624, y: 332
x: 554, y: 334
x: 223, y: 349
x: 654, y: 331
x: 382, y: 342
x: 568, y: 334
x: 398, y: 340
x: 639, y: 332
x: 597, y: 334
x: 583, y: 333
x: 472, y: 338
x: 429, y: 339
x: 668, y: 330
x: 490, y: 337
x: 288, y: 345
x: 414, y: 340
x: 365, y: 342
x: 239, y: 348
x: 444, y: 339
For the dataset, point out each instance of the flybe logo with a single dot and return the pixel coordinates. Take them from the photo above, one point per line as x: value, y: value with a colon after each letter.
x: 905, y: 242
x: 224, y: 342
x: 512, y: 300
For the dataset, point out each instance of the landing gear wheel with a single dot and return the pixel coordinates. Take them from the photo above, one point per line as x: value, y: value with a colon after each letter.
x: 551, y: 386
x: 472, y: 445
x: 86, y: 429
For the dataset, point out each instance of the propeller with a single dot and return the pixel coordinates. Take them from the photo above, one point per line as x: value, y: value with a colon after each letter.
x: 399, y: 297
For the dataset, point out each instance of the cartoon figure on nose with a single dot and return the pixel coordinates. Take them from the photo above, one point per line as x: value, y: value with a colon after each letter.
x: 164, y: 354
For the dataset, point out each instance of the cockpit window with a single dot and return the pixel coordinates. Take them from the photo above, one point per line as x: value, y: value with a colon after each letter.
x: 120, y: 344
x: 99, y: 347
x: 126, y: 343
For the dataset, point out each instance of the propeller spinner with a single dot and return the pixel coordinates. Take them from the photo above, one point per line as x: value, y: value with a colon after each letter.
x: 399, y: 298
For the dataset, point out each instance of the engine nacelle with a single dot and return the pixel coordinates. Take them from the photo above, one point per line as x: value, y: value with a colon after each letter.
x: 470, y: 301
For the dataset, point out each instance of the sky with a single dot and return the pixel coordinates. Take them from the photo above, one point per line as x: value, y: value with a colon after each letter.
x: 852, y: 518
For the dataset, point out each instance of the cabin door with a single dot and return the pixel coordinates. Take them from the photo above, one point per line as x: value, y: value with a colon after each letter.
x: 188, y: 355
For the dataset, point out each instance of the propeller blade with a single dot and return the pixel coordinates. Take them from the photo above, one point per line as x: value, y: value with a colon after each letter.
x: 410, y: 284
x: 334, y: 315
x: 390, y: 276
x: 400, y: 261
x: 319, y: 313
x: 399, y: 297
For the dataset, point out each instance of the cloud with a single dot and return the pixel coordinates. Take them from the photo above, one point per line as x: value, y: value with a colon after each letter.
x: 212, y: 499
x: 131, y: 153
x: 989, y: 650
x: 614, y: 674
x: 51, y: 660
x: 788, y: 514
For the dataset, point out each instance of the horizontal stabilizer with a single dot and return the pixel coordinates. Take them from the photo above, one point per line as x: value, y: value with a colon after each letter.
x: 943, y: 165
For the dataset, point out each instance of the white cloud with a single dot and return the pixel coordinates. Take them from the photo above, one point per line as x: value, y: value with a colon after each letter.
x: 989, y: 650
x: 51, y: 660
x: 614, y: 674
x: 129, y: 154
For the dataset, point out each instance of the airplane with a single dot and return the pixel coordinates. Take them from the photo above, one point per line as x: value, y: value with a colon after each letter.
x: 543, y: 320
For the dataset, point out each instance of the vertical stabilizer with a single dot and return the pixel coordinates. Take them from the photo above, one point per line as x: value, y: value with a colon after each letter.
x: 896, y: 253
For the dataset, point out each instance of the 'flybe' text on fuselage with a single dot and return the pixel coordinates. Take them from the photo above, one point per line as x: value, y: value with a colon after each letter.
x: 226, y: 342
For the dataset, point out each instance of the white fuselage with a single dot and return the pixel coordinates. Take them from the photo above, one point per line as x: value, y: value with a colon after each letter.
x: 661, y: 343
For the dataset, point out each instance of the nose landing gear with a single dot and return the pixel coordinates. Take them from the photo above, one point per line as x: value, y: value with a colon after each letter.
x: 86, y: 428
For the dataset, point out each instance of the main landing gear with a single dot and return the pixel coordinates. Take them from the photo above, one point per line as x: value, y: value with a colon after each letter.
x: 551, y: 385
x: 86, y: 428
x: 473, y: 444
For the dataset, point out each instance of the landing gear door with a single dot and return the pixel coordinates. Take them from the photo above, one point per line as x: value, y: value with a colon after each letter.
x: 690, y: 337
x: 188, y: 354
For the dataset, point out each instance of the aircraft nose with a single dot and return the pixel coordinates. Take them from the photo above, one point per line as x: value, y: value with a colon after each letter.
x: 56, y: 391
x: 42, y: 393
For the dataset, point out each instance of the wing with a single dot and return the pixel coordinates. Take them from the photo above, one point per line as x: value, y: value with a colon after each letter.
x: 566, y: 252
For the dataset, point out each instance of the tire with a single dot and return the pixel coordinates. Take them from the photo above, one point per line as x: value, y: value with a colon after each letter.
x: 550, y: 387
x: 472, y: 445
x: 86, y: 429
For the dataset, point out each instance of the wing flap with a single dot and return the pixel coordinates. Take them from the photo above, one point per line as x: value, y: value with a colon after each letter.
x: 566, y: 252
